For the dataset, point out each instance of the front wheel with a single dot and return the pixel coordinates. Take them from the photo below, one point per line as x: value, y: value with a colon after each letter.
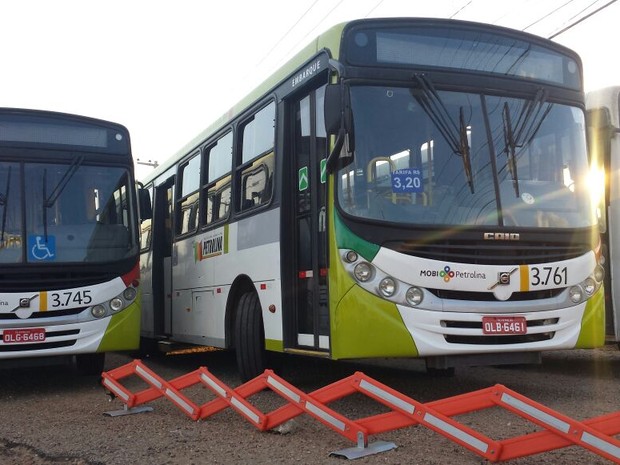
x: 249, y: 337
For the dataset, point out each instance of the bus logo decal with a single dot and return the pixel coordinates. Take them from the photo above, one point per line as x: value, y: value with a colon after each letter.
x: 447, y: 274
x: 212, y: 246
x: 503, y: 278
x: 499, y: 236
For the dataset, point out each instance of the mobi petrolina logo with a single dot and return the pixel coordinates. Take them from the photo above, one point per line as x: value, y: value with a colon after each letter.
x: 211, y: 246
x: 447, y: 274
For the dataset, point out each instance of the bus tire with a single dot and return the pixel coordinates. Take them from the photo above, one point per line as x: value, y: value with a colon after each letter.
x: 249, y: 337
x: 90, y: 364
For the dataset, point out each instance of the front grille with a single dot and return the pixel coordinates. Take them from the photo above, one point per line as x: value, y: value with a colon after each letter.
x: 48, y: 344
x: 35, y: 347
x: 33, y: 281
x: 497, y: 339
x: 477, y: 252
x: 48, y: 314
x: 490, y: 297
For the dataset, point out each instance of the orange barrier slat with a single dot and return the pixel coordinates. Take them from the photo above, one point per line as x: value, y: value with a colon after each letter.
x: 545, y: 441
x: 594, y: 434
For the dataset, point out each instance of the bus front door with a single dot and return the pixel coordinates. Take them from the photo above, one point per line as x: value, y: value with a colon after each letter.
x: 311, y: 325
x: 162, y: 257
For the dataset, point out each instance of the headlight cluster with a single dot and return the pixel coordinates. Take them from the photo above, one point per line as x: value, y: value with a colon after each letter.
x: 586, y: 288
x: 376, y: 281
x: 116, y: 304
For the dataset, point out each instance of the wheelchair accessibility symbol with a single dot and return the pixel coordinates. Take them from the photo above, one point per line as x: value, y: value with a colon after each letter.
x: 41, y: 250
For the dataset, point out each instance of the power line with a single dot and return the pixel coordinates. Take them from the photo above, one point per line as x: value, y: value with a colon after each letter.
x: 303, y: 15
x: 373, y: 8
x: 314, y: 28
x: 461, y: 9
x: 548, y: 14
x: 581, y: 20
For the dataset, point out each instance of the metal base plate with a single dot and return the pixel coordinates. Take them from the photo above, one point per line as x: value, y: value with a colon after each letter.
x: 128, y: 411
x: 353, y: 453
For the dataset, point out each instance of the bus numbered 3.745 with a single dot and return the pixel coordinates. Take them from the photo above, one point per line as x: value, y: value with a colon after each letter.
x: 401, y: 188
x: 69, y: 249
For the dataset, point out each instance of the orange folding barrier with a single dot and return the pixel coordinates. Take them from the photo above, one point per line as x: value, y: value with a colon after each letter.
x: 594, y: 434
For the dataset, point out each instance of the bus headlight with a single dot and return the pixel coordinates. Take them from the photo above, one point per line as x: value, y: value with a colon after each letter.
x: 98, y: 311
x: 398, y: 290
x: 387, y: 286
x: 116, y: 304
x: 414, y: 296
x: 130, y: 294
x: 575, y: 293
x: 589, y: 286
x: 363, y: 272
x: 599, y: 273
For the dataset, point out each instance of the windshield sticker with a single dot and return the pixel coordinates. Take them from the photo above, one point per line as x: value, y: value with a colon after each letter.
x: 41, y: 248
x: 407, y: 180
x: 527, y: 198
x: 10, y: 241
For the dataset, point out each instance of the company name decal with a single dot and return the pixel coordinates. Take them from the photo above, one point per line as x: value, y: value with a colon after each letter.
x: 212, y: 246
x: 447, y: 274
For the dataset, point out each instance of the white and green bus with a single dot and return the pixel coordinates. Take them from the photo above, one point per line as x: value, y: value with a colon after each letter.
x: 69, y: 249
x: 604, y: 125
x: 400, y: 188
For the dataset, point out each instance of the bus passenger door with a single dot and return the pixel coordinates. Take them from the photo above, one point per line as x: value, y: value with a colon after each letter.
x: 311, y: 325
x: 162, y: 257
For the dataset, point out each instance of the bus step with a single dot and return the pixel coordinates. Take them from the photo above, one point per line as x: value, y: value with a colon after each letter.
x: 309, y: 352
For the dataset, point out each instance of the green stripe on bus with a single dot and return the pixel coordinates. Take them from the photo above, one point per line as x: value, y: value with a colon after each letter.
x: 345, y: 239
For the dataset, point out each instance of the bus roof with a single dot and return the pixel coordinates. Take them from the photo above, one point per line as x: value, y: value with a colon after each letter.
x: 330, y: 40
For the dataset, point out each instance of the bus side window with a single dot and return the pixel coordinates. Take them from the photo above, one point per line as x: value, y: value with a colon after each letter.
x: 187, y: 204
x: 216, y: 191
x: 255, y: 185
x: 146, y: 228
x: 257, y: 159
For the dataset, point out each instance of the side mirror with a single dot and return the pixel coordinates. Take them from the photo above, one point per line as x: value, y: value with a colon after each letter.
x: 144, y: 204
x: 333, y: 108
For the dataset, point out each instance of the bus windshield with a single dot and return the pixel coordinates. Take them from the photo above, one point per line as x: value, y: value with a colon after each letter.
x: 71, y: 213
x: 430, y: 157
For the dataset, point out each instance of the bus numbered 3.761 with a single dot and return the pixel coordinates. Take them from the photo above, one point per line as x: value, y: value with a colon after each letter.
x: 401, y: 188
x: 69, y: 251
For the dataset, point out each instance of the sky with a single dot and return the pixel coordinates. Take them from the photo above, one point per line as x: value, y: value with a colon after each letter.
x: 167, y: 69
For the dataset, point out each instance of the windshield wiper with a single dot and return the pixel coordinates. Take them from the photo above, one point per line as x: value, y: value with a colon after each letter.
x: 4, y: 201
x: 510, y: 148
x: 66, y: 177
x: 456, y: 137
x: 49, y: 202
x: 531, y: 117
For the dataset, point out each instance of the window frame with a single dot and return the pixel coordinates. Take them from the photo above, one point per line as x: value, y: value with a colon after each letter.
x: 208, y: 184
x: 260, y: 161
x: 182, y: 197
